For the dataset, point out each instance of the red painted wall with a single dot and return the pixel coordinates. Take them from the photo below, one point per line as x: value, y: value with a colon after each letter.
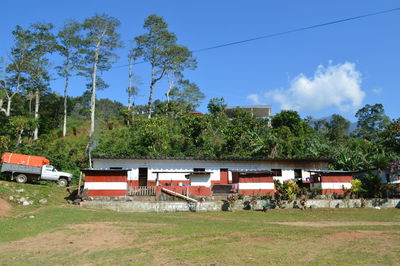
x: 224, y: 179
x: 336, y: 179
x: 106, y: 176
x: 200, y: 191
x: 266, y: 179
x: 193, y: 190
x: 106, y: 193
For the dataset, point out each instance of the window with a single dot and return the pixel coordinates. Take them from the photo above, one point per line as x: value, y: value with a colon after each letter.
x: 298, y: 173
x: 277, y: 172
x: 199, y: 169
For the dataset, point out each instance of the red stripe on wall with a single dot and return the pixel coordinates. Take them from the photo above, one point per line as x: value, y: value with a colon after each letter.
x: 174, y: 183
x: 193, y: 190
x: 107, y: 173
x: 336, y: 179
x: 253, y: 192
x: 106, y: 178
x: 267, y: 179
x: 133, y: 183
x: 200, y: 191
x: 108, y: 193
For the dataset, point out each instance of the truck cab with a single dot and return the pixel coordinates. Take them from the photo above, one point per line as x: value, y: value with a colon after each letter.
x: 51, y: 174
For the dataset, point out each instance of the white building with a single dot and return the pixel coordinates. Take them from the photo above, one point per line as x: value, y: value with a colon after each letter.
x: 203, y: 173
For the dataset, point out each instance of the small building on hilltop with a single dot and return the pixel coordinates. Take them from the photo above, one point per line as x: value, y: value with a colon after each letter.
x: 258, y: 111
x: 196, y: 176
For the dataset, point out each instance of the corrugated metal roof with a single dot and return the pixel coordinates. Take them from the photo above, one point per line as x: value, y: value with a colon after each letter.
x: 254, y: 172
x: 85, y: 170
x: 332, y: 172
x: 211, y: 159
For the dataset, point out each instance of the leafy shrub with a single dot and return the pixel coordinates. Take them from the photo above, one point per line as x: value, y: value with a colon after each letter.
x: 371, y: 186
x: 287, y: 190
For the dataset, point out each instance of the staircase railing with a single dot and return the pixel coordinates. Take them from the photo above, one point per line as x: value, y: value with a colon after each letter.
x: 141, y: 191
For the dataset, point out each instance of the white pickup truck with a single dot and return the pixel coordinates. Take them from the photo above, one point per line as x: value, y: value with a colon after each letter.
x: 23, y: 173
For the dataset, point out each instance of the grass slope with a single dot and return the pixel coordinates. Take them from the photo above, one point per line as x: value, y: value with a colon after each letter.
x: 69, y: 235
x: 64, y: 234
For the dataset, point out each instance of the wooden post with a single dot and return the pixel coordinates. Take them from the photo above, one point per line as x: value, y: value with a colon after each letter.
x: 79, y: 184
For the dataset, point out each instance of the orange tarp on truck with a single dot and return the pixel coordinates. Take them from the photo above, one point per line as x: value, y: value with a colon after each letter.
x: 23, y: 159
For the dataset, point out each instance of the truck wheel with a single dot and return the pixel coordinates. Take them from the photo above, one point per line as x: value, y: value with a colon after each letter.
x: 21, y: 178
x: 62, y: 182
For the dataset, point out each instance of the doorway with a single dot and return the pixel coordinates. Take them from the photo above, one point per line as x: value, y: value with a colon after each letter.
x: 143, y: 177
x: 298, y: 174
x: 224, y: 180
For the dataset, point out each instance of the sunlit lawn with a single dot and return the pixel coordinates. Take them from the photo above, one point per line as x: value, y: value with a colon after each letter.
x: 70, y: 235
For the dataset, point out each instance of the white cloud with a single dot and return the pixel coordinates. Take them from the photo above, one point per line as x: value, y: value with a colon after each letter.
x: 332, y: 86
x: 254, y: 98
x: 377, y: 91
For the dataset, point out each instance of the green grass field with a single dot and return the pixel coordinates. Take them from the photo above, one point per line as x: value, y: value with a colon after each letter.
x: 65, y: 234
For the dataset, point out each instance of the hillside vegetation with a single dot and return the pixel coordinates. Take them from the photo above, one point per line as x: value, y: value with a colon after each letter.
x: 35, y: 120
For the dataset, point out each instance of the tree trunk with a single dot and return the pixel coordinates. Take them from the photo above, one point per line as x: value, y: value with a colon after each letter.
x: 171, y: 84
x: 130, y: 82
x: 150, y: 103
x: 6, y: 111
x: 8, y: 106
x: 1, y: 107
x: 129, y: 100
x: 37, y: 102
x: 93, y: 99
x: 19, y: 137
x: 65, y: 105
x: 30, y: 103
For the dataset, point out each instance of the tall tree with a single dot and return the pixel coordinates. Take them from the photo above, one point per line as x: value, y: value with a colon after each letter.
x: 159, y: 48
x: 187, y: 93
x: 371, y: 121
x: 216, y: 106
x: 337, y: 126
x: 391, y: 136
x: 133, y: 55
x: 13, y: 77
x: 287, y: 118
x: 4, y: 87
x: 43, y: 44
x: 100, y: 41
x: 69, y: 45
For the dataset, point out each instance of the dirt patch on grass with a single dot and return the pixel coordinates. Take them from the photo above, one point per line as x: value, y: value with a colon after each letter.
x: 362, y: 234
x: 336, y: 223
x: 82, y: 237
x: 5, y: 207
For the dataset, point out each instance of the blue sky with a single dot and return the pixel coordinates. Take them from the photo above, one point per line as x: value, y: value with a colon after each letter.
x: 334, y: 69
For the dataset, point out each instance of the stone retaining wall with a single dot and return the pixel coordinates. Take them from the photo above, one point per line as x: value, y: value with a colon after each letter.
x: 171, y: 206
